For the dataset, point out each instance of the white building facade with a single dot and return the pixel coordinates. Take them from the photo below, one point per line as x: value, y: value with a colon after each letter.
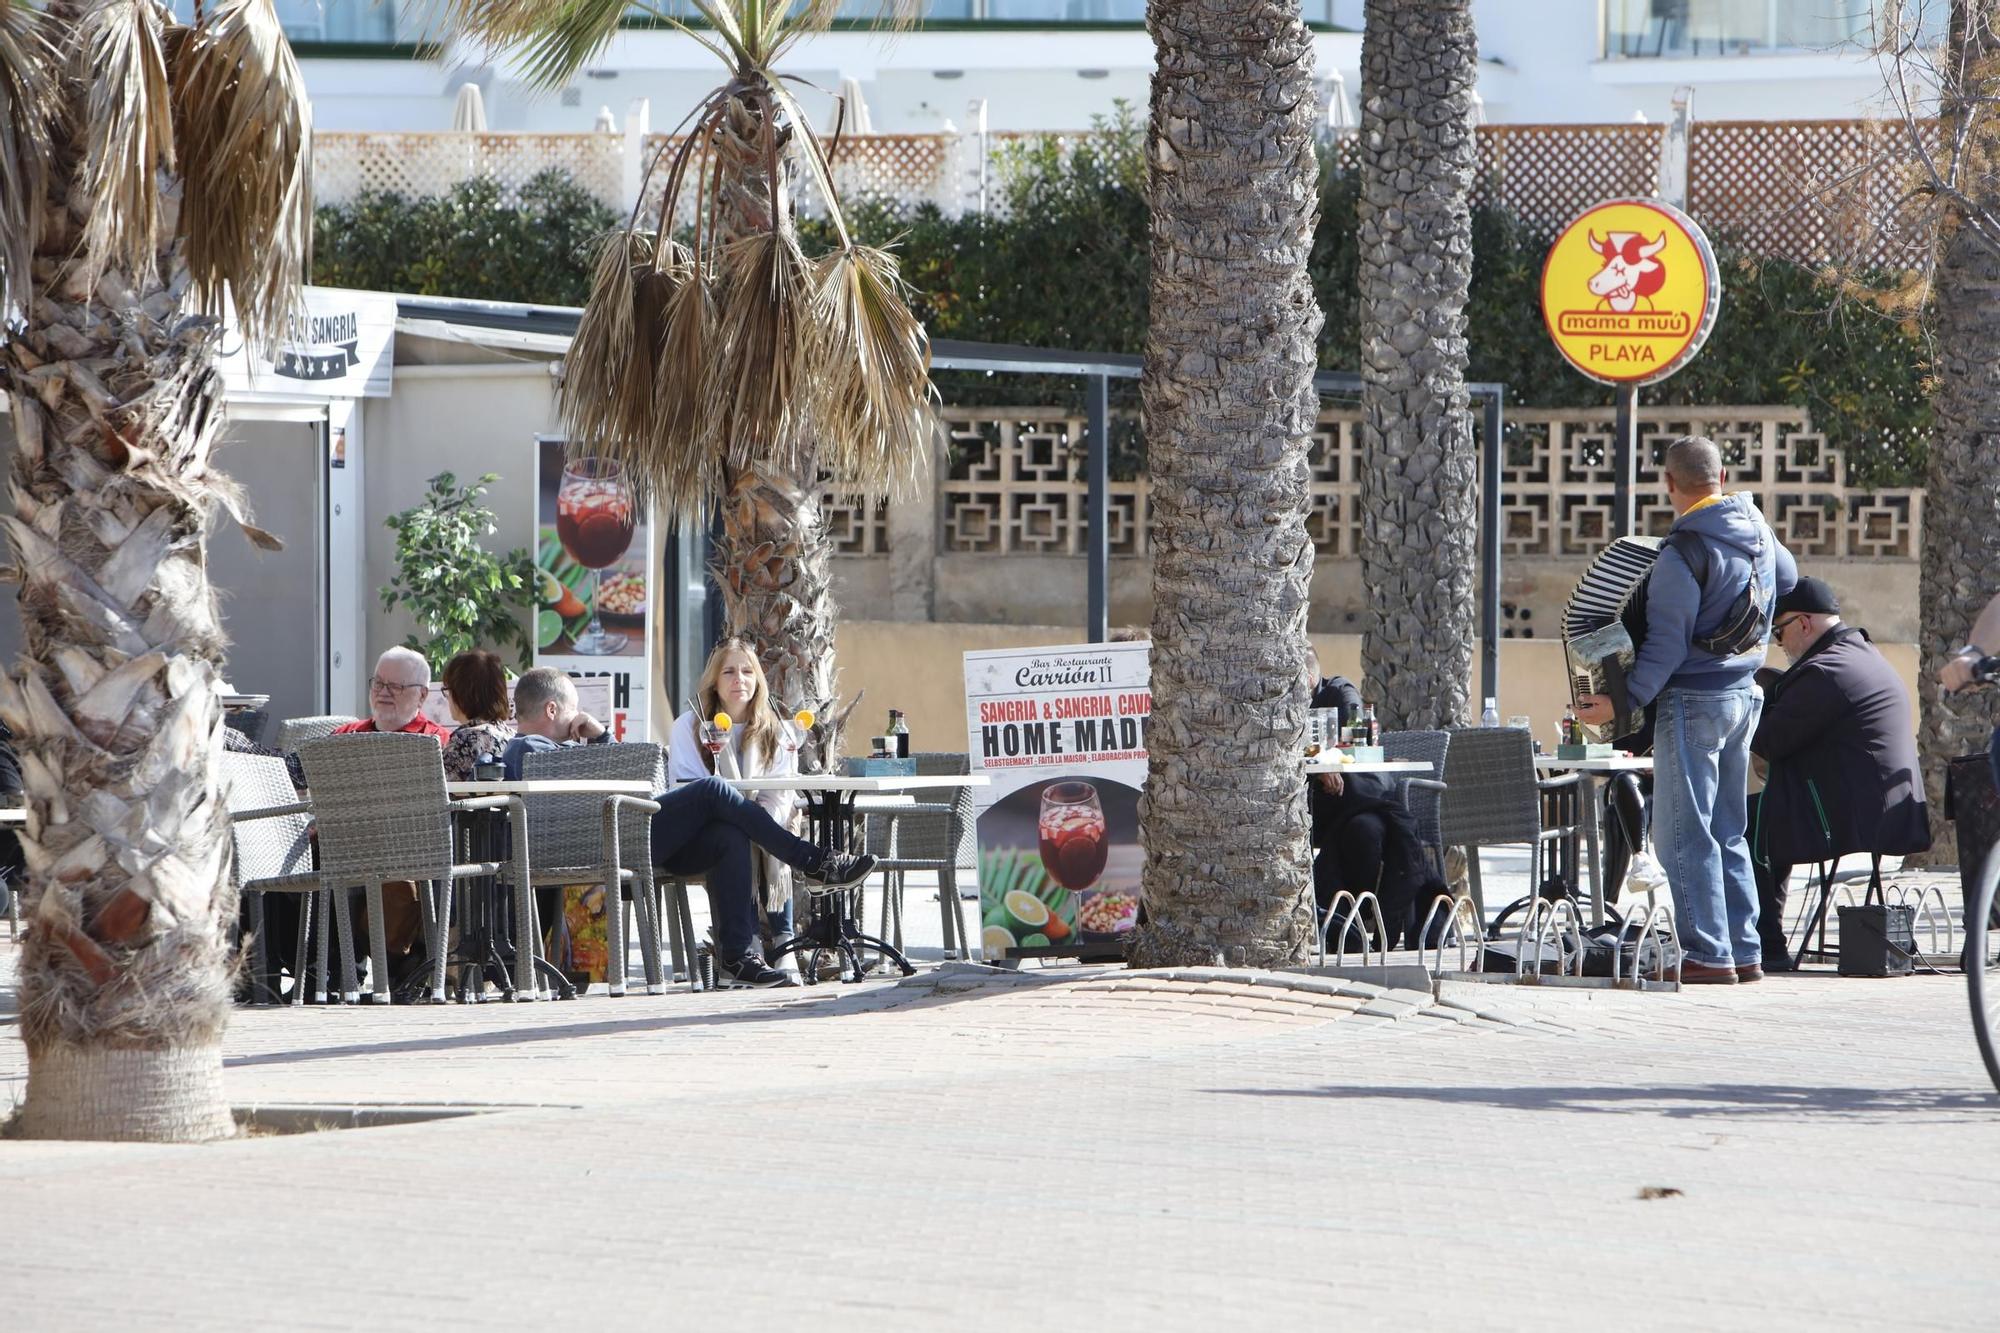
x: 1059, y: 64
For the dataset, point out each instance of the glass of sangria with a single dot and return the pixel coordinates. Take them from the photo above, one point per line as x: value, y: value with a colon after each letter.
x: 713, y: 738
x: 1073, y: 840
x: 594, y: 520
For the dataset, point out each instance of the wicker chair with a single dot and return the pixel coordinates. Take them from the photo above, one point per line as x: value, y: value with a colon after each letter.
x: 380, y: 805
x: 1494, y: 798
x: 927, y: 835
x: 270, y: 831
x: 296, y: 731
x: 1423, y: 797
x: 570, y: 839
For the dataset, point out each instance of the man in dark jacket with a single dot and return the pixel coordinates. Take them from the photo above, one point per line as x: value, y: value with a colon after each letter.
x: 1842, y: 749
x: 1365, y: 838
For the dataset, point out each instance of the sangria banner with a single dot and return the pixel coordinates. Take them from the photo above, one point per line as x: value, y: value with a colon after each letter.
x: 595, y: 564
x: 1061, y: 733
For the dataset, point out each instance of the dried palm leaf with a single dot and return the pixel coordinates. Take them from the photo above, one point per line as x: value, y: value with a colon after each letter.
x: 27, y: 104
x: 127, y: 132
x: 755, y: 394
x: 871, y: 382
x: 683, y: 458
x: 607, y: 384
x: 244, y: 136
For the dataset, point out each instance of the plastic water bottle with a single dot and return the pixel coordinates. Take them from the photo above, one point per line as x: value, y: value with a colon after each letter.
x: 1491, y: 716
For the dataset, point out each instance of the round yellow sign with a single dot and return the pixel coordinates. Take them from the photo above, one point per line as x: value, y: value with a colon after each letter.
x: 1629, y: 291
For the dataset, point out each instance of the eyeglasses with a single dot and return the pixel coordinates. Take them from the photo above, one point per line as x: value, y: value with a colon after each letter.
x: 1784, y: 623
x: 376, y: 685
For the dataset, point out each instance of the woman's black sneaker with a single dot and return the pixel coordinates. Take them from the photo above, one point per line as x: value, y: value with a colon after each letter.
x: 839, y: 869
x: 750, y: 970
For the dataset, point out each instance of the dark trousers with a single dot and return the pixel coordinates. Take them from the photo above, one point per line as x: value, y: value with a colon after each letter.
x: 707, y: 828
x: 1351, y: 859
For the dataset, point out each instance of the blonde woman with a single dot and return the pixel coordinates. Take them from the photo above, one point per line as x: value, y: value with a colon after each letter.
x: 733, y: 682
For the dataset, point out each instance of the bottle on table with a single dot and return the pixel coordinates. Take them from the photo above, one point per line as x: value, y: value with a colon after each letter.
x: 1490, y: 717
x: 1370, y: 727
x: 899, y: 735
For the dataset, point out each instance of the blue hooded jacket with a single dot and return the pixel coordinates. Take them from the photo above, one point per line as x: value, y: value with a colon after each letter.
x: 1740, y: 545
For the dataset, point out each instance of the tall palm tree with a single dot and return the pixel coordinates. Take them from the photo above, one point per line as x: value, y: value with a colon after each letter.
x: 729, y: 367
x: 1419, y: 519
x: 1961, y: 541
x: 1229, y: 406
x: 150, y: 172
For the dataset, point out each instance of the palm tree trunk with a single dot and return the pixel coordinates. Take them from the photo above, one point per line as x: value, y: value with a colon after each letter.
x: 1419, y: 519
x: 773, y: 562
x: 1229, y: 409
x: 773, y: 559
x: 125, y: 969
x: 1961, y: 541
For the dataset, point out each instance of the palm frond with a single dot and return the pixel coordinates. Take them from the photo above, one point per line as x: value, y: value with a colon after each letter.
x: 764, y: 346
x: 871, y: 376
x: 244, y: 136
x: 127, y: 131
x: 682, y: 456
x: 27, y: 105
x: 606, y: 396
x: 552, y: 39
x: 818, y: 15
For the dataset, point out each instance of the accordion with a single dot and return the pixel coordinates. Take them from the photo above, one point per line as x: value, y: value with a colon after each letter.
x: 1604, y: 622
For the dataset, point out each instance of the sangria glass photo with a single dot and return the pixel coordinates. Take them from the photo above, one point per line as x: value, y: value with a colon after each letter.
x: 1073, y: 840
x: 790, y: 735
x: 594, y: 520
x: 712, y: 738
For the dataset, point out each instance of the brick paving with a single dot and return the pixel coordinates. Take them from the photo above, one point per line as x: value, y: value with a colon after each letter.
x: 1071, y: 1148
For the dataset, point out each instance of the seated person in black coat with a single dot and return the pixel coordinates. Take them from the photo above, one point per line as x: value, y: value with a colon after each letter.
x: 1842, y: 754
x: 1365, y: 837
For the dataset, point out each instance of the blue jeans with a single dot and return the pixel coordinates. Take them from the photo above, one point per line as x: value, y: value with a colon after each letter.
x: 1701, y: 774
x: 707, y: 828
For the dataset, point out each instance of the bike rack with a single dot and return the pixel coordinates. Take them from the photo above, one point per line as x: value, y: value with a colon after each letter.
x: 1373, y: 904
x: 1460, y: 913
x: 1326, y: 919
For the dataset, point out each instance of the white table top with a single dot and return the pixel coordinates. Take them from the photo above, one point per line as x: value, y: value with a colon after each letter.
x: 1368, y: 766
x: 831, y: 782
x: 552, y: 787
x: 13, y: 814
x: 1615, y: 764
x: 245, y: 700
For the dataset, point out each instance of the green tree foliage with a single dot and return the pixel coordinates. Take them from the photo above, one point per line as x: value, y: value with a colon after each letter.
x: 462, y: 595
x: 472, y: 242
x: 1062, y: 263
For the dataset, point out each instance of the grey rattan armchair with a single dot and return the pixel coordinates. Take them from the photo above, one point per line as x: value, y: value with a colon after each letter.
x: 270, y: 832
x: 380, y: 805
x: 1423, y: 797
x: 935, y: 836
x: 572, y: 841
x: 296, y: 731
x: 1494, y: 798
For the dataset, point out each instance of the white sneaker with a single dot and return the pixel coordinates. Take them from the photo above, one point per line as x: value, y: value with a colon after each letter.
x: 1645, y: 875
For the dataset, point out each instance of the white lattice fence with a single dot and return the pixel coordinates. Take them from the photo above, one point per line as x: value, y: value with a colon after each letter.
x: 1016, y: 486
x: 423, y: 164
x: 899, y: 169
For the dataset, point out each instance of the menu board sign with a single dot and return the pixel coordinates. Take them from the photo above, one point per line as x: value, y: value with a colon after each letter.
x: 1061, y: 733
x: 595, y: 567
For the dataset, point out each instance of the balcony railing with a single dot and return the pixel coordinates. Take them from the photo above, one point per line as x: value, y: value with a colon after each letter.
x: 1670, y: 29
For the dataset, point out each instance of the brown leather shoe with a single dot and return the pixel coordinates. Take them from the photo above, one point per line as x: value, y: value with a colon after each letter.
x: 1701, y: 974
x: 1748, y: 972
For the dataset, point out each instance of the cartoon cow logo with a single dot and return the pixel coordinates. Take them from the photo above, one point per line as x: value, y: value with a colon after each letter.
x: 1632, y: 270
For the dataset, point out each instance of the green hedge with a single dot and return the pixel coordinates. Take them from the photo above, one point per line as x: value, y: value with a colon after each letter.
x: 1064, y: 266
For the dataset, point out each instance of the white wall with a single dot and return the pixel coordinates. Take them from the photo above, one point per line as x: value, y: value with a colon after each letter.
x: 1539, y: 63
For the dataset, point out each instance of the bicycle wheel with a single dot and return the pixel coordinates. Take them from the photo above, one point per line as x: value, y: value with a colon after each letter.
x: 1982, y: 970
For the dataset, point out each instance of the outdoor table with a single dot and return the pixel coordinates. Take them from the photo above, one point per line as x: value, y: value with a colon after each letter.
x: 1370, y: 767
x: 830, y: 810
x: 1593, y: 774
x: 484, y: 946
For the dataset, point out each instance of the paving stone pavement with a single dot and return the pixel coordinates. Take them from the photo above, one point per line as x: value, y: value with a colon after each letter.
x: 1071, y: 1148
